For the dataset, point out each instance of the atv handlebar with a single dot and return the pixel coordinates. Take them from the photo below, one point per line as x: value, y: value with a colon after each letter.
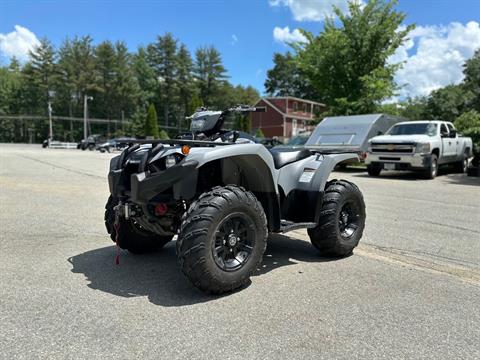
x: 246, y: 108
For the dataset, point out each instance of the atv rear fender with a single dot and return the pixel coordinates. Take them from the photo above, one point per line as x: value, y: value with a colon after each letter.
x: 302, y: 185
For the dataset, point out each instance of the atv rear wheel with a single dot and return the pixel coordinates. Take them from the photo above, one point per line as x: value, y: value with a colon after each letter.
x: 342, y: 220
x: 222, y: 239
x: 131, y: 236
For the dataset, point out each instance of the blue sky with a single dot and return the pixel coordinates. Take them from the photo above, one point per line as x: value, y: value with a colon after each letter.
x: 244, y: 30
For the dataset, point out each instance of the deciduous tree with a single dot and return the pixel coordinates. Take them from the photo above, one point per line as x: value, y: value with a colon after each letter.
x: 348, y: 62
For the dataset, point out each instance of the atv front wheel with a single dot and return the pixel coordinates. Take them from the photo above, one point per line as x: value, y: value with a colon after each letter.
x: 222, y: 239
x: 131, y: 236
x: 342, y: 220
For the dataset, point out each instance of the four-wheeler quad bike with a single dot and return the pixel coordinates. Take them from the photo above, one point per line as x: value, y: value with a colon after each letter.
x: 222, y: 198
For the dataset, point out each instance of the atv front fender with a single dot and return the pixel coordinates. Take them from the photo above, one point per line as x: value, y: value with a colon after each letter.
x: 182, y: 177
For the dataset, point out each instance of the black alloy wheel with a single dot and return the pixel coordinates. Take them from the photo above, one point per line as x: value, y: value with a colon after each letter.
x: 234, y: 241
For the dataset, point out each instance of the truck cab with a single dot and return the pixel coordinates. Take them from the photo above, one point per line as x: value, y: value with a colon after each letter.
x: 419, y: 146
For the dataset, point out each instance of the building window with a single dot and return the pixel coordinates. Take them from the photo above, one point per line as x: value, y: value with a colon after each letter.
x: 304, y: 108
x: 295, y: 106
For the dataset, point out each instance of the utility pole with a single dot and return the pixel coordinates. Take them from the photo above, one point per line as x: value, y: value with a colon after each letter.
x: 85, y: 112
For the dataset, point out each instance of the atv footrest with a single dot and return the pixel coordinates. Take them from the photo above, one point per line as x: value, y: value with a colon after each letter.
x: 289, y: 226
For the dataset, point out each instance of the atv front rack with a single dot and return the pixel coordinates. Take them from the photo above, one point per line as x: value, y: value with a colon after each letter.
x: 181, y: 142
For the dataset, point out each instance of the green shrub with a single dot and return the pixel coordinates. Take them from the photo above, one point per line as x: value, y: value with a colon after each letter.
x: 259, y: 134
x: 469, y: 125
x: 163, y: 135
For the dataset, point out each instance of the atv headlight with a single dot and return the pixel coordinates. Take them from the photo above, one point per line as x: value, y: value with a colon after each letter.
x: 171, y: 160
x: 423, y: 148
x: 197, y: 125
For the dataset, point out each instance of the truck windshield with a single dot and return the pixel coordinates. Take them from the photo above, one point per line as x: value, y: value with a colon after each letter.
x: 414, y: 129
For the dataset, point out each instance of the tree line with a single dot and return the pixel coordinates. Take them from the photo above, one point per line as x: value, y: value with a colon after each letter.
x: 347, y: 66
x: 123, y: 84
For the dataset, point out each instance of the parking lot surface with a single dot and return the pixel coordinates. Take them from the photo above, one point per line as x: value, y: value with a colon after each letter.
x: 411, y: 289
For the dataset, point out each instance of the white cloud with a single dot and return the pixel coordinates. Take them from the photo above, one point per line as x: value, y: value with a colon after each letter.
x: 434, y: 56
x: 234, y: 39
x: 18, y: 43
x: 286, y: 36
x: 312, y: 10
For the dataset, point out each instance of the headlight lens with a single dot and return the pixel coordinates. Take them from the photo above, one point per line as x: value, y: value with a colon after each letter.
x: 197, y: 125
x: 423, y: 147
x: 170, y: 161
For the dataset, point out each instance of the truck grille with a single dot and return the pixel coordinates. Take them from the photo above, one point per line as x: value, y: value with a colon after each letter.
x: 407, y: 148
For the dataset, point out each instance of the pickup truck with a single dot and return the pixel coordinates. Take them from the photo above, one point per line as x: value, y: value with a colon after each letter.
x: 419, y: 146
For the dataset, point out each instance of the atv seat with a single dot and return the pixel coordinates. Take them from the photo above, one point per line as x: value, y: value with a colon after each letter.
x: 283, y: 156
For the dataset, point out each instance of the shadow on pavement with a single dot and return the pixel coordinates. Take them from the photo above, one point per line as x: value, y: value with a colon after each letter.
x: 283, y: 250
x: 462, y: 179
x: 158, y: 276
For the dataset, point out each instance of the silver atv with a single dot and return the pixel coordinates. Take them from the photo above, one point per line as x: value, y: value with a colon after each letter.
x: 222, y: 195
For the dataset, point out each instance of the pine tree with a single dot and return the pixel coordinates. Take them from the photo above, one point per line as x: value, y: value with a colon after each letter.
x: 104, y: 104
x: 145, y: 77
x: 77, y: 73
x: 43, y: 69
x: 209, y: 73
x: 127, y: 89
x: 162, y: 57
x: 14, y: 65
x: 186, y: 88
x: 151, y: 123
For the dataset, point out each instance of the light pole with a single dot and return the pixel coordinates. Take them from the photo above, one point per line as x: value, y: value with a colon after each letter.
x: 85, y: 112
x: 50, y: 131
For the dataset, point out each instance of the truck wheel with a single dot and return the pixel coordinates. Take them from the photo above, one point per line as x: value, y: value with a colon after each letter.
x: 342, y: 220
x: 432, y: 170
x: 462, y: 166
x: 222, y: 239
x: 132, y: 237
x: 373, y: 170
x: 91, y: 147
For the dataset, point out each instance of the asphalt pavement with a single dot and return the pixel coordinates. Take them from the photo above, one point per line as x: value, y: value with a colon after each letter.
x: 411, y: 289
